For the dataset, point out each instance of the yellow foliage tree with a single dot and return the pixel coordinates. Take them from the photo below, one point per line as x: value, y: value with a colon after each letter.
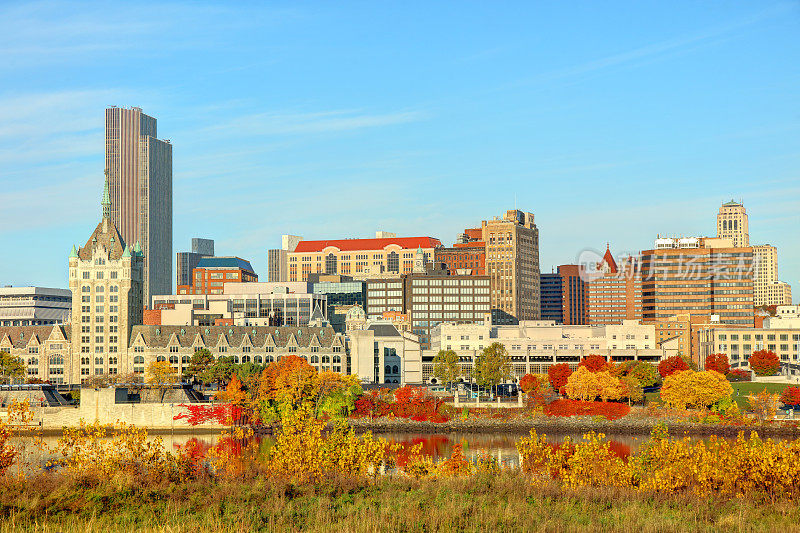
x: 161, y: 376
x: 688, y: 388
x: 586, y: 385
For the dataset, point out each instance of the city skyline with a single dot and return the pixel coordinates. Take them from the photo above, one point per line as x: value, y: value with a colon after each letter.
x: 571, y: 143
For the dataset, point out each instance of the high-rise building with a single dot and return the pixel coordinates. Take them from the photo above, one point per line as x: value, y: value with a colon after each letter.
x: 732, y: 224
x: 187, y: 261
x: 277, y: 259
x: 359, y: 258
x: 551, y: 291
x: 34, y: 306
x: 698, y: 276
x: 212, y: 274
x: 767, y: 288
x: 512, y: 263
x: 106, y: 279
x: 613, y: 292
x: 140, y: 172
x: 573, y: 295
x: 463, y: 258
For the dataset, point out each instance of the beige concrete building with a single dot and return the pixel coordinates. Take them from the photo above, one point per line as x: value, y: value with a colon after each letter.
x: 782, y: 337
x: 512, y: 264
x: 46, y: 351
x: 767, y: 288
x: 106, y: 279
x: 140, y: 173
x: 380, y: 353
x: 732, y: 224
x: 536, y: 345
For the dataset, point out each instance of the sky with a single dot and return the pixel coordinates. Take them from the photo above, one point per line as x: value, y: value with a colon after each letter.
x: 612, y: 122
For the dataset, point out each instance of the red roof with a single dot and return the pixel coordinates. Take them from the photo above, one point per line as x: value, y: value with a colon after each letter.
x: 608, y: 259
x: 352, y: 245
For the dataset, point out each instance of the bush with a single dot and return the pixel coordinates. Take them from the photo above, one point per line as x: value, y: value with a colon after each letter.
x: 595, y: 363
x: 671, y: 365
x: 558, y: 375
x: 719, y: 363
x: 764, y: 363
x: 738, y: 374
x: 688, y: 388
x: 791, y: 396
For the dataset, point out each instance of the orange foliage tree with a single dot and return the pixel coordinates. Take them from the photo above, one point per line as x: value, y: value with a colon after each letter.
x: 719, y: 363
x: 595, y: 363
x: 287, y: 381
x: 764, y: 363
x: 671, y: 365
x: 558, y: 374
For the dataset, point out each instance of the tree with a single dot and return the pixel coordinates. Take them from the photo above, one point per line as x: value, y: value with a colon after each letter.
x: 764, y: 405
x: 289, y: 381
x: 791, y: 396
x: 529, y: 383
x: 584, y: 384
x: 161, y: 377
x: 199, y: 364
x: 219, y: 372
x: 493, y: 365
x: 718, y: 362
x: 687, y: 388
x: 595, y: 363
x: 671, y: 365
x: 764, y: 363
x: 645, y: 374
x: 12, y: 368
x: 445, y: 367
x: 558, y: 374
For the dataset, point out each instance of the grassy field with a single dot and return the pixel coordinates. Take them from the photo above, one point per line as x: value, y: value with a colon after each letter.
x: 505, y: 503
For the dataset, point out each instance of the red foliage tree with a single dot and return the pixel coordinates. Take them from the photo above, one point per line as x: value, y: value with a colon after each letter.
x: 671, y: 365
x: 719, y: 363
x: 595, y: 363
x: 764, y: 363
x: 791, y: 396
x: 558, y: 374
x: 528, y: 383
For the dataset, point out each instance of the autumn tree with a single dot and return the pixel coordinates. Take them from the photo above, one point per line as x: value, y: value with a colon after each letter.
x: 446, y: 368
x: 764, y: 363
x: 673, y: 364
x: 528, y: 383
x: 161, y: 377
x: 764, y: 405
x: 719, y: 363
x: 791, y: 396
x: 687, y: 388
x: 12, y: 368
x: 558, y: 374
x: 645, y: 374
x: 493, y: 365
x: 219, y: 372
x: 584, y: 384
x: 199, y: 364
x: 287, y: 381
x: 595, y: 363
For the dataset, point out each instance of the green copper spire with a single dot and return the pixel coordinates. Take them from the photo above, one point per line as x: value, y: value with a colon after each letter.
x: 127, y: 252
x: 74, y: 252
x: 106, y: 203
x: 137, y: 248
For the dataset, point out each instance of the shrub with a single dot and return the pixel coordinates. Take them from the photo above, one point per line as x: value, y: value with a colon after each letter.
x: 738, y: 374
x: 595, y: 363
x: 671, y: 365
x: 791, y: 396
x: 609, y: 410
x: 558, y: 375
x: 719, y: 363
x: 688, y: 388
x: 764, y: 363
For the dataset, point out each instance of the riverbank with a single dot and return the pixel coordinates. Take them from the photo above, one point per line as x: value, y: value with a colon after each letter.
x: 508, y: 502
x: 566, y: 425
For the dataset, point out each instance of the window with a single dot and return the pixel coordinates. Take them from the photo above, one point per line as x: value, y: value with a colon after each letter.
x: 173, y: 349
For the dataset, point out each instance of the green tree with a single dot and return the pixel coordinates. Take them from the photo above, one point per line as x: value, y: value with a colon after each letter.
x: 199, y: 363
x: 445, y: 367
x: 11, y: 368
x: 219, y: 372
x: 493, y: 366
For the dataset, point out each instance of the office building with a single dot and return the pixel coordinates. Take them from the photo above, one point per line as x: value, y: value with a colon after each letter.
x: 359, y: 258
x: 573, y: 294
x: 551, y: 291
x: 278, y: 259
x: 106, y: 277
x: 34, y: 306
x: 383, y: 295
x: 613, y: 293
x: 187, y: 261
x: 767, y: 288
x: 780, y: 335
x: 468, y: 258
x: 212, y: 274
x: 732, y: 224
x: 698, y: 276
x: 512, y: 264
x: 342, y: 293
x: 534, y: 346
x: 139, y: 167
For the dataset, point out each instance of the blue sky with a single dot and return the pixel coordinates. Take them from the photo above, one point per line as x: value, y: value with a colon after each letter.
x: 611, y: 122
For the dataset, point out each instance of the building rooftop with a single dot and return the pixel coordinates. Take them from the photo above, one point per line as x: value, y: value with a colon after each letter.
x: 224, y: 262
x: 348, y: 245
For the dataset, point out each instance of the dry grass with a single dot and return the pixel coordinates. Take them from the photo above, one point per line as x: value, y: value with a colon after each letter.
x: 507, y: 502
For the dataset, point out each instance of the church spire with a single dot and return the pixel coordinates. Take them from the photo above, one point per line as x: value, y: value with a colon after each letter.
x: 106, y: 202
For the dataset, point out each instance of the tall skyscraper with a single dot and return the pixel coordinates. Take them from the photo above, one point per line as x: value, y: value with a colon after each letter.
x: 140, y: 180
x: 551, y: 289
x: 732, y: 224
x: 277, y: 259
x: 767, y: 288
x: 186, y: 262
x: 573, y: 295
x: 512, y: 263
